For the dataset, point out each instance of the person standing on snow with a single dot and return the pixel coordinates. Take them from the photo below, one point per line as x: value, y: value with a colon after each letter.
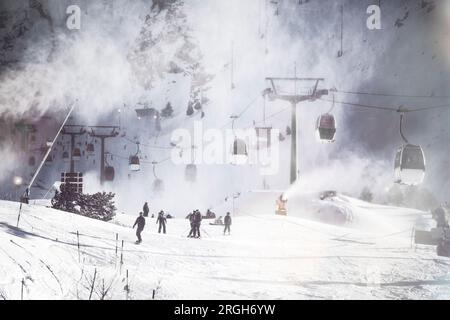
x: 227, y: 221
x: 162, y: 222
x: 140, y: 222
x: 197, y: 223
x: 191, y: 217
x: 146, y: 209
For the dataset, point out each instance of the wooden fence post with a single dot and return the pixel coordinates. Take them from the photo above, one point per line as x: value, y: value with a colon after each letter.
x: 117, y: 240
x: 78, y: 245
x: 93, y: 284
x: 21, y: 289
x: 128, y: 286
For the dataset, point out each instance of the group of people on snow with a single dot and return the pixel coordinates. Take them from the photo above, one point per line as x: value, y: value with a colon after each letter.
x: 195, y: 220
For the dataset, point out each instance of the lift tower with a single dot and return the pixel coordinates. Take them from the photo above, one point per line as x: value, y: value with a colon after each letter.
x: 295, y: 98
x: 72, y: 135
x: 103, y: 136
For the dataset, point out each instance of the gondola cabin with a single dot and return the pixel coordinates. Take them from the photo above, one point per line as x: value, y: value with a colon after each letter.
x: 76, y: 154
x: 326, y: 128
x: 409, y: 165
x: 109, y: 173
x: 134, y: 163
x: 90, y: 148
x: 239, y: 153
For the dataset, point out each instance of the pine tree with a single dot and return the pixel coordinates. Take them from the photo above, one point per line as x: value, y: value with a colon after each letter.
x: 98, y: 206
x: 66, y: 199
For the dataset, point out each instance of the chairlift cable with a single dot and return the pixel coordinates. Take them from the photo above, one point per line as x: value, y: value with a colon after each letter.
x: 242, y: 112
x: 392, y: 95
x: 358, y: 105
x: 333, y: 105
x: 400, y: 109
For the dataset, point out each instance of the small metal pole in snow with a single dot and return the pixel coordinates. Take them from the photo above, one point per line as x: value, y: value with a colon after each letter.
x: 127, y: 287
x: 153, y: 295
x: 78, y: 245
x: 93, y: 284
x: 21, y: 289
x: 18, y: 216
x: 117, y: 240
x: 121, y: 258
x: 121, y: 263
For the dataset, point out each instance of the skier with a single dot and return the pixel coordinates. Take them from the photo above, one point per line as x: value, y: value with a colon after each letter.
x: 145, y: 210
x: 197, y: 223
x: 227, y: 223
x: 140, y: 222
x: 162, y: 222
x: 190, y: 216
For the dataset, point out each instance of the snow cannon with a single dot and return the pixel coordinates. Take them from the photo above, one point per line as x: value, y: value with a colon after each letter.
x: 281, y: 205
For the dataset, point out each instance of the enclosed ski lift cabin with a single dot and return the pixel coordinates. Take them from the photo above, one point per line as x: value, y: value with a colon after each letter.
x: 134, y: 163
x: 409, y: 165
x: 90, y: 148
x: 109, y: 173
x: 239, y: 151
x: 76, y: 154
x: 326, y: 128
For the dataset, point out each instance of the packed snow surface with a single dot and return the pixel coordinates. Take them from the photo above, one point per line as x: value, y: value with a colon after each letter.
x: 265, y: 257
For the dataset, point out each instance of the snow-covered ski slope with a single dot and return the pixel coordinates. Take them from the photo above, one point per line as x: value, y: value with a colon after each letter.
x: 266, y: 257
